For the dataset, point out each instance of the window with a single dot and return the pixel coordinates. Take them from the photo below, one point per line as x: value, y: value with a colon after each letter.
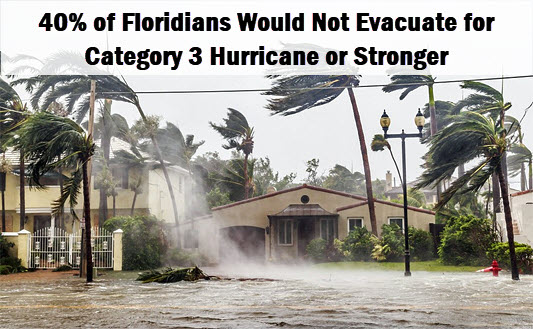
x: 191, y: 238
x: 327, y: 229
x: 285, y: 232
x: 121, y: 176
x: 398, y: 221
x: 353, y: 223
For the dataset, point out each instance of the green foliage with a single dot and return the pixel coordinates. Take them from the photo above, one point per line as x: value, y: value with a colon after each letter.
x: 143, y: 241
x: 9, y: 264
x: 465, y: 241
x: 181, y: 257
x: 312, y: 172
x: 316, y: 250
x: 524, y: 255
x: 358, y: 245
x: 420, y: 244
x: 265, y: 177
x: 342, y: 179
x: 390, y: 246
x: 216, y: 198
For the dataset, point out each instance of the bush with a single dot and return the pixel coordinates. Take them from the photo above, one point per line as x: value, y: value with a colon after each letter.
x: 420, y: 244
x: 358, y: 245
x: 316, y: 250
x: 143, y: 241
x: 465, y: 241
x: 180, y: 257
x: 390, y: 246
x: 9, y: 264
x: 524, y: 256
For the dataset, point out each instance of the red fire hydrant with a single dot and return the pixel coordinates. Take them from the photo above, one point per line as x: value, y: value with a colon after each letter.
x: 494, y: 269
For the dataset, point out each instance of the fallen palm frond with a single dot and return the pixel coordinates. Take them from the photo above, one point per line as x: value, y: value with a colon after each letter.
x: 173, y: 275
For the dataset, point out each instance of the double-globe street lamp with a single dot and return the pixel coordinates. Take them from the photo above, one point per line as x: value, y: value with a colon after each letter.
x: 419, y: 122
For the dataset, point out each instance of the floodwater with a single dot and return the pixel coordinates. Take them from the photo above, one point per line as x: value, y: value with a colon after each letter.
x: 282, y: 297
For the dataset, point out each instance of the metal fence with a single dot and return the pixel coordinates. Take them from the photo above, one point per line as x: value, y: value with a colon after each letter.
x: 51, y: 247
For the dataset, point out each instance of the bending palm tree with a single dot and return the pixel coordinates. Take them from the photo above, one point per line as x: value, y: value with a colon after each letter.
x: 379, y: 143
x: 50, y: 142
x: 471, y: 136
x: 298, y: 93
x: 240, y: 136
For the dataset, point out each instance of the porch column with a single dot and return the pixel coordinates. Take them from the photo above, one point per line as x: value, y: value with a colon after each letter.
x: 117, y: 250
x: 24, y: 247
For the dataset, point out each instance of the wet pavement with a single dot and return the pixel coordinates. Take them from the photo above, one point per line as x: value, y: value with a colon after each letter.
x: 276, y: 297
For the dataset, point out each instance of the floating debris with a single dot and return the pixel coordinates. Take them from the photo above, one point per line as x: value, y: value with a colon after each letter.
x: 174, y: 275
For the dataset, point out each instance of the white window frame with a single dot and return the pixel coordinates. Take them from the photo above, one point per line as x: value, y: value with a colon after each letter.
x: 396, y: 217
x: 285, y: 222
x: 354, y: 218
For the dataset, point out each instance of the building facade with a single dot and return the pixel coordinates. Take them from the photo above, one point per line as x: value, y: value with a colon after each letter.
x: 278, y: 226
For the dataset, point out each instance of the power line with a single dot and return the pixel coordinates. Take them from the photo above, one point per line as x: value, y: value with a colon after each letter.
x: 255, y: 90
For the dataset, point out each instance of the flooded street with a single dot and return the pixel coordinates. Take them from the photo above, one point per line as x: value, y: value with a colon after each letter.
x: 284, y: 297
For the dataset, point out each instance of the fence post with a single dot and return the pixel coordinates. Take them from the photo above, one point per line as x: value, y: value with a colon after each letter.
x: 24, y: 247
x: 117, y: 250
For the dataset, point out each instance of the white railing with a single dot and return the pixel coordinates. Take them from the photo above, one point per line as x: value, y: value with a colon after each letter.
x: 51, y: 247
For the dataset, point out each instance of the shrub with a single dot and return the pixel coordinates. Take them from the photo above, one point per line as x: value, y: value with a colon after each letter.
x: 390, y: 246
x: 9, y: 264
x: 185, y: 258
x: 316, y: 250
x: 143, y: 241
x: 420, y: 244
x: 465, y: 241
x: 358, y: 245
x: 524, y: 256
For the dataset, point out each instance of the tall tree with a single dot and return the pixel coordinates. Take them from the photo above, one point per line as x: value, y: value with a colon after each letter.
x: 50, y: 141
x: 342, y: 179
x: 471, y: 136
x: 293, y: 94
x: 240, y: 136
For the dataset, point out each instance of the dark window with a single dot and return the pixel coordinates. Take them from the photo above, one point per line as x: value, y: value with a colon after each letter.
x: 121, y: 176
x: 353, y: 223
x: 285, y: 232
x: 327, y: 229
x: 304, y: 199
x: 191, y: 238
x: 397, y: 221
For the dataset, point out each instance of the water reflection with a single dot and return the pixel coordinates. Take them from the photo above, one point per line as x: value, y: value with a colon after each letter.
x: 296, y: 298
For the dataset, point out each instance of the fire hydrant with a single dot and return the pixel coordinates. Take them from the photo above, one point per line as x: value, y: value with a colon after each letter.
x: 494, y: 269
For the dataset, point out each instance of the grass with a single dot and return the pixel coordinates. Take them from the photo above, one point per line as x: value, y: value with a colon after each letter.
x: 428, y: 266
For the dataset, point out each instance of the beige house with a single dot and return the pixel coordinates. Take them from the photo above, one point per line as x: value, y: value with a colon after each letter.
x: 279, y: 225
x: 522, y: 214
x: 154, y: 198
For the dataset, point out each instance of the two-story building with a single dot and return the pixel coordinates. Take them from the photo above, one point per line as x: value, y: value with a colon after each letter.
x: 154, y: 198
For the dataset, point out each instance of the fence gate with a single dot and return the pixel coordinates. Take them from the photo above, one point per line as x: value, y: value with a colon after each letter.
x: 51, y: 247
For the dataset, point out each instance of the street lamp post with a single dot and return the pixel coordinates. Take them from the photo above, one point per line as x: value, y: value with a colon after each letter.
x: 385, y: 123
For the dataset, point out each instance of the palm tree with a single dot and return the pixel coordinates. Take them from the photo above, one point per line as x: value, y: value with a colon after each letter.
x: 50, y: 142
x: 490, y: 102
x: 294, y: 94
x: 471, y: 136
x: 240, y: 136
x: 133, y: 160
x: 75, y: 89
x: 12, y: 118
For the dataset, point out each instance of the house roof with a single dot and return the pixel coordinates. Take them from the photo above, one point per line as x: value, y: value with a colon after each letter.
x: 522, y: 193
x: 296, y: 210
x: 362, y: 200
x: 388, y: 203
x: 315, y: 188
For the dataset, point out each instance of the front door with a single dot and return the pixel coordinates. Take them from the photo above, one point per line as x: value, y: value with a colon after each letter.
x: 306, y: 233
x: 41, y: 221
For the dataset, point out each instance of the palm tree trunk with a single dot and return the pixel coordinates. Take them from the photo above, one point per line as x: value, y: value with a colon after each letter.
x: 495, y: 195
x: 22, y: 191
x: 245, y: 176
x: 114, y: 205
x: 3, y: 211
x: 508, y: 223
x: 530, y: 174
x: 87, y: 216
x: 366, y: 165
x: 523, y: 178
x: 395, y: 164
x: 62, y: 214
x: 167, y: 177
x: 133, y: 203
